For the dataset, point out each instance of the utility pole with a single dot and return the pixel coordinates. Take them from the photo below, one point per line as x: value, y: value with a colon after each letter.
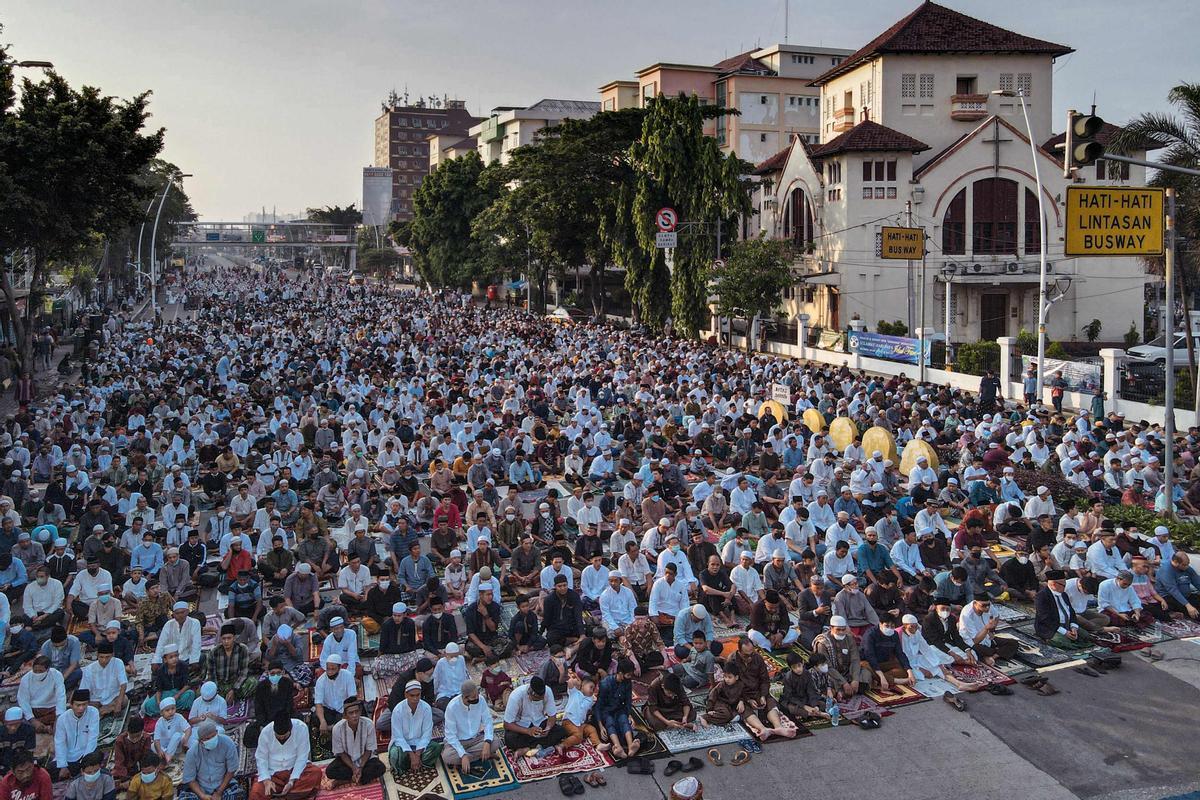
x: 1169, y: 341
x: 924, y: 330
x: 911, y: 301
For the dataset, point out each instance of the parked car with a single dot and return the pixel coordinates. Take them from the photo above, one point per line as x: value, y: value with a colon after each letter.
x: 1155, y: 350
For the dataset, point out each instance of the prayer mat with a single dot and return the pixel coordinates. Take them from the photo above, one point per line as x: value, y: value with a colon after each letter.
x: 1001, y: 551
x: 383, y: 686
x: 979, y: 673
x: 508, y: 610
x: 1151, y: 635
x: 303, y: 699
x: 682, y: 740
x: 907, y: 695
x: 314, y: 645
x: 722, y: 631
x: 1010, y: 614
x: 239, y: 712
x: 1037, y: 653
x: 787, y: 722
x: 652, y: 746
x: 935, y: 687
x: 111, y: 727
x: 415, y: 783
x: 498, y: 777
x: 854, y: 707
x: 368, y: 642
x: 728, y: 646
x: 581, y: 758
x: 776, y: 661
x: 382, y: 740
x: 321, y: 747
x: 78, y: 626
x: 533, y: 495
x: 1180, y: 628
x: 371, y: 791
x: 1121, y: 641
x: 14, y: 681
x: 392, y: 664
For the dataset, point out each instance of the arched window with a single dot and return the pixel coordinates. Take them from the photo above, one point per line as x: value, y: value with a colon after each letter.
x: 994, y: 216
x: 954, y: 225
x: 802, y: 222
x: 1033, y: 231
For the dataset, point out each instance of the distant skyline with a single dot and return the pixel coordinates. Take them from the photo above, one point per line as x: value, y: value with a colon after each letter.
x: 273, y: 103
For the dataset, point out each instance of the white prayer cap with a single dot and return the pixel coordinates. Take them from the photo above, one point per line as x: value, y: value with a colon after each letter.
x: 849, y: 578
x: 456, y: 553
x: 13, y: 714
x: 333, y: 623
x: 399, y: 608
x: 908, y: 619
x: 1043, y: 490
x: 334, y: 658
x: 877, y: 487
x: 837, y: 622
x: 1162, y: 530
x: 699, y: 611
x: 614, y: 573
x: 284, y: 631
x: 747, y: 554
x: 167, y: 702
x: 452, y: 648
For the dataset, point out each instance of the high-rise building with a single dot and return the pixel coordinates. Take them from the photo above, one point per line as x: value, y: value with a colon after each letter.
x: 377, y: 195
x: 401, y: 141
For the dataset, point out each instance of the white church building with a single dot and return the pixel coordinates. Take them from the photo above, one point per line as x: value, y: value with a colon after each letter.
x: 912, y: 135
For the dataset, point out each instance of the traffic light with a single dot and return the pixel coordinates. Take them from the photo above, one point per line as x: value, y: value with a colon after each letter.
x: 1081, y: 148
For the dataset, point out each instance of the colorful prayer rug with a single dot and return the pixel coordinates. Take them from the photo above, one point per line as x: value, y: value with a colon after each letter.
x: 854, y: 707
x: 652, y: 746
x: 392, y: 664
x: 498, y: 777
x: 1010, y: 614
x: 980, y: 673
x: 1151, y: 635
x: 1180, y: 628
x: 532, y: 662
x: 239, y: 712
x: 371, y: 791
x: 906, y: 696
x: 415, y: 784
x: 1121, y: 641
x: 1036, y: 653
x: 581, y: 758
x: 682, y: 740
x: 111, y: 727
x: 935, y: 687
x: 303, y: 698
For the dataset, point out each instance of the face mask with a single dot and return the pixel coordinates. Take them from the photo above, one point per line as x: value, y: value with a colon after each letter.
x: 104, y: 598
x: 944, y: 613
x: 274, y: 679
x: 674, y: 548
x: 15, y: 629
x: 148, y: 777
x: 1022, y: 560
x: 437, y: 615
x: 42, y: 581
x: 93, y: 570
x: 823, y: 669
x: 510, y: 517
x: 384, y: 585
x: 545, y: 515
x: 92, y: 777
x: 888, y: 631
x: 839, y: 636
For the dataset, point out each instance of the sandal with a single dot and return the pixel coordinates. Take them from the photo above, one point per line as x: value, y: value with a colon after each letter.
x: 566, y: 785
x: 672, y: 768
x: 693, y: 764
x: 1046, y: 690
x: 998, y: 689
x: 599, y: 779
x: 740, y: 758
x: 714, y: 755
x: 953, y: 700
x: 1091, y: 673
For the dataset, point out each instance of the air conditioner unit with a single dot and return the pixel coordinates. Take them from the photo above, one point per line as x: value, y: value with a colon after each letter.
x: 1012, y: 268
x: 1049, y: 267
x: 975, y: 269
x: 950, y: 269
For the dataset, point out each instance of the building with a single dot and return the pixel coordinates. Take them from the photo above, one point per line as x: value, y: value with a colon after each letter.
x: 912, y: 135
x: 510, y: 127
x: 443, y: 147
x: 377, y: 195
x: 770, y: 86
x: 401, y: 141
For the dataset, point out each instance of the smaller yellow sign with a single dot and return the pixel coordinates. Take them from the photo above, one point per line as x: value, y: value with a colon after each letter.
x: 1114, y: 221
x: 902, y: 243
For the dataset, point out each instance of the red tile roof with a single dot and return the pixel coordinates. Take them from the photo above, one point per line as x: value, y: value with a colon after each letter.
x: 869, y: 137
x: 742, y: 62
x: 933, y: 28
x: 1106, y: 134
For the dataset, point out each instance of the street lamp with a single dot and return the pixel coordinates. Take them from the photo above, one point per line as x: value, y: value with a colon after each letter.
x: 1043, y: 306
x: 154, y: 240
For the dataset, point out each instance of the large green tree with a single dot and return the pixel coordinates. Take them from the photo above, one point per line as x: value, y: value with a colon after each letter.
x: 444, y: 207
x: 335, y: 215
x: 677, y: 165
x: 752, y: 282
x: 69, y: 166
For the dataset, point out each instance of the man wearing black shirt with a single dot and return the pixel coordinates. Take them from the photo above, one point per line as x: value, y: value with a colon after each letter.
x: 562, y: 614
x: 398, y: 634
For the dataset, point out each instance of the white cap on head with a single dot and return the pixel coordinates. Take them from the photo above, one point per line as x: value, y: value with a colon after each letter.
x: 13, y: 714
x: 908, y: 619
x: 699, y: 611
x: 334, y: 659
x: 837, y: 622
x: 1162, y: 530
x: 333, y: 623
x: 849, y: 578
x: 452, y: 648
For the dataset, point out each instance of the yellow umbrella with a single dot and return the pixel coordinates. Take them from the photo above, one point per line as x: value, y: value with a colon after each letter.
x: 877, y: 438
x: 814, y: 420
x: 842, y: 432
x: 915, y: 448
x: 776, y: 408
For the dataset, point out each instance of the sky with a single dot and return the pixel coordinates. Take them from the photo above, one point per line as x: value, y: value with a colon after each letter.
x: 272, y: 103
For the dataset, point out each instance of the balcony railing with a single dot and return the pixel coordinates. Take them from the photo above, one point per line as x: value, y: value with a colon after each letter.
x: 968, y: 107
x: 843, y: 119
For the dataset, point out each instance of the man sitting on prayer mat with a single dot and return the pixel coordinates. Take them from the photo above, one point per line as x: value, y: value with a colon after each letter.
x: 354, y: 745
x: 283, y: 761
x: 977, y: 624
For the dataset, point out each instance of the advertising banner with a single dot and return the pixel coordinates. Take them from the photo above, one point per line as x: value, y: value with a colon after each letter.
x: 892, y: 348
x: 1084, y: 378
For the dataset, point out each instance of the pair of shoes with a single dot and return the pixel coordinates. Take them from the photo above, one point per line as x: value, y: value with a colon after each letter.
x: 1152, y: 655
x: 1091, y: 673
x: 740, y: 758
x: 595, y: 780
x: 692, y: 765
x: 569, y: 785
x: 638, y: 765
x: 954, y: 700
x: 998, y: 689
x: 869, y: 721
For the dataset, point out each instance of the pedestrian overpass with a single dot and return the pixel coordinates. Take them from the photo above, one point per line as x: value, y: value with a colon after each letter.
x: 297, y: 237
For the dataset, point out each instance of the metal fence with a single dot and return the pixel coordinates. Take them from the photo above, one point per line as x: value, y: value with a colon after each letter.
x: 1145, y: 382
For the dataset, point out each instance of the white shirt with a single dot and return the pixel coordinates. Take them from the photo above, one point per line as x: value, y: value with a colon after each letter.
x: 332, y: 693
x: 75, y: 737
x: 617, y: 608
x: 548, y: 575
x: 42, y: 599
x: 42, y: 691
x: 908, y: 557
x: 593, y: 581
x: 634, y: 571
x: 768, y: 546
x: 525, y: 710
x: 747, y: 581
x: 448, y: 676
x: 1112, y: 596
x: 347, y: 648
x: 356, y: 582
x: 1103, y: 563
x: 412, y: 729
x: 104, y: 682
x: 291, y: 756
x: 464, y: 722
x: 668, y: 598
x: 683, y: 567
x: 970, y: 624
x: 186, y: 639
x: 85, y: 584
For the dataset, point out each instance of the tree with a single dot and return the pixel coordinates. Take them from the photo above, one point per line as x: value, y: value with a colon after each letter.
x: 1180, y: 135
x: 751, y: 283
x: 378, y: 260
x: 444, y: 207
x: 335, y: 215
x: 69, y: 166
x: 677, y: 165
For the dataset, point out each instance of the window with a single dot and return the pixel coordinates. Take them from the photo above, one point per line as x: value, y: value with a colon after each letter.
x: 868, y: 193
x: 891, y: 193
x: 609, y: 105
x: 954, y: 225
x: 402, y: 122
x: 722, y: 98
x: 994, y: 216
x: 1025, y: 84
x: 762, y: 99
x: 797, y: 59
x: 891, y: 171
x: 833, y: 172
x: 908, y: 84
x: 1006, y: 82
x: 835, y: 60
x: 868, y: 172
x: 1108, y: 171
x: 964, y: 84
x: 926, y: 85
x: 848, y: 101
x: 762, y: 137
x: 1033, y: 231
x: 648, y: 92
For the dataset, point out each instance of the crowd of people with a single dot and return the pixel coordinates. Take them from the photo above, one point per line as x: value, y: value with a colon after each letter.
x: 309, y: 485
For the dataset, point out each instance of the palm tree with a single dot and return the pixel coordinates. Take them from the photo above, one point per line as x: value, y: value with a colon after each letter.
x: 335, y: 215
x: 1179, y: 134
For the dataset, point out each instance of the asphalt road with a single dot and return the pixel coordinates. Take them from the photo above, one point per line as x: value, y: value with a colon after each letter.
x: 1128, y: 735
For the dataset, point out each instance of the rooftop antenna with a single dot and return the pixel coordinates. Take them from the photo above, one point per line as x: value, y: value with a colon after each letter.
x: 787, y: 7
x: 1093, y: 103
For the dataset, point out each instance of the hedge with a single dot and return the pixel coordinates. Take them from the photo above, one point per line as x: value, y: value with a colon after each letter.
x: 976, y: 358
x: 1182, y: 533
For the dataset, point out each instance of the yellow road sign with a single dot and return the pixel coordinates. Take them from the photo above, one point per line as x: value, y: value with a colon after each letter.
x: 902, y: 243
x: 1114, y: 221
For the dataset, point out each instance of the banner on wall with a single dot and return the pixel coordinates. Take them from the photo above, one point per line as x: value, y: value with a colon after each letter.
x: 891, y: 348
x: 1080, y: 377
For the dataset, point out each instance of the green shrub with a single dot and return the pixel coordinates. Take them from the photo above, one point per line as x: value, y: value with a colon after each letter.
x: 1092, y: 330
x: 1131, y: 336
x: 896, y: 328
x: 1057, y: 351
x: 977, y: 358
x: 1027, y: 342
x: 1185, y: 534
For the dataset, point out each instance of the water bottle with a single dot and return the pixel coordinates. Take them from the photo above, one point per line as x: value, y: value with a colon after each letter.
x: 834, y: 711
